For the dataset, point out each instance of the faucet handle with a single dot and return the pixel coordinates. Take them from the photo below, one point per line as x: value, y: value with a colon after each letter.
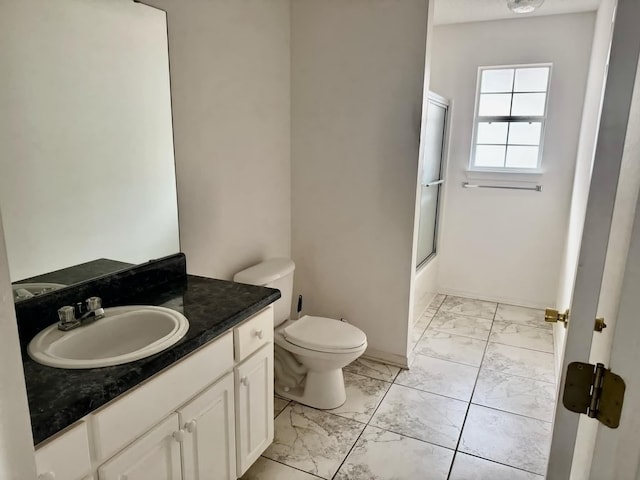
x: 67, y: 314
x: 93, y: 303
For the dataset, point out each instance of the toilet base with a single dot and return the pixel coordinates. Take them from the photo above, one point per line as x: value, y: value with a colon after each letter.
x: 322, y: 390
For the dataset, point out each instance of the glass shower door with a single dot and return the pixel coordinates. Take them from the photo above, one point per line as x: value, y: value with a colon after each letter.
x: 431, y: 179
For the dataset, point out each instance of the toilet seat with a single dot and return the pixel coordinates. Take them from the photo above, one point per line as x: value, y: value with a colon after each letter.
x: 324, y: 335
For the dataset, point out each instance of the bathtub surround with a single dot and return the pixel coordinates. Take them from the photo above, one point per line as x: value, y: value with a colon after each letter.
x: 425, y: 286
x: 59, y: 397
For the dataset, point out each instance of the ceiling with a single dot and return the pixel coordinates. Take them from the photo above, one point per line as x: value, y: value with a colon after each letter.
x: 460, y: 11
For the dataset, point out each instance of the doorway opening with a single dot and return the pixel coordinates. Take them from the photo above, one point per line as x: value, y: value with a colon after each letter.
x: 517, y: 242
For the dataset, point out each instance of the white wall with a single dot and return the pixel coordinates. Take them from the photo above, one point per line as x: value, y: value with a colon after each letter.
x: 506, y: 245
x: 231, y: 107
x: 584, y: 163
x: 357, y: 82
x: 16, y: 443
x: 87, y: 149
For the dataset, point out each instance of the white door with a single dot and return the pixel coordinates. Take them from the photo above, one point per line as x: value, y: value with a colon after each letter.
x: 617, y: 451
x: 254, y: 406
x: 154, y: 456
x: 208, y: 448
x: 603, y: 253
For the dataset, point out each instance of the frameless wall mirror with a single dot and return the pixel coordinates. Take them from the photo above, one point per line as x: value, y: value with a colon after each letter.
x: 86, y: 146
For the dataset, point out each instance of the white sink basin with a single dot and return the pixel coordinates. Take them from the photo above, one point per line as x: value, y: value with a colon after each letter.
x: 124, y: 335
x: 22, y: 291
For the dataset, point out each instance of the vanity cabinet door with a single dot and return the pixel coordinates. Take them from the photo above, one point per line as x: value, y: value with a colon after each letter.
x: 65, y: 457
x: 208, y: 448
x: 156, y: 455
x: 254, y: 406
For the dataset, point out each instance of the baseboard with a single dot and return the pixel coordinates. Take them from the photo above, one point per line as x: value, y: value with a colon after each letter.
x: 490, y: 298
x: 386, y: 357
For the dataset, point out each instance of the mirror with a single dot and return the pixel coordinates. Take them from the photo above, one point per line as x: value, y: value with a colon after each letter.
x: 87, y: 175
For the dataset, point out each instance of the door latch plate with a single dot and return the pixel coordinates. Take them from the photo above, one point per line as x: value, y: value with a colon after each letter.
x: 599, y: 325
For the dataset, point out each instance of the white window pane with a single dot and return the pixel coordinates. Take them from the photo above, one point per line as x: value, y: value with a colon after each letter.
x: 489, y: 156
x: 525, y: 133
x: 528, y: 104
x: 494, y: 132
x: 531, y: 79
x: 522, y: 157
x: 493, y: 104
x: 497, y: 80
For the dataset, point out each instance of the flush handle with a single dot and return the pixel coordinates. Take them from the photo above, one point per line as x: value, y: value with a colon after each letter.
x: 259, y: 334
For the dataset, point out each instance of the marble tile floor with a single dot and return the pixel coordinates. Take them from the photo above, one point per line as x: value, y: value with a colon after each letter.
x: 476, y: 403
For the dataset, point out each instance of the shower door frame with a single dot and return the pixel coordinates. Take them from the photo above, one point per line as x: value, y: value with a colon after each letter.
x: 433, y: 97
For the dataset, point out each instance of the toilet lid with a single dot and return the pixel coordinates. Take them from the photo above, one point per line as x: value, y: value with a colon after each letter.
x: 324, y: 334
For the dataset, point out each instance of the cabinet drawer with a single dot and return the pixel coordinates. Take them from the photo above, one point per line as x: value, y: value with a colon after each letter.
x: 53, y: 457
x: 253, y: 334
x: 134, y: 413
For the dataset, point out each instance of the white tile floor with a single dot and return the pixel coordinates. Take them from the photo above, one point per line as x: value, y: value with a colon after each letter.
x: 477, y: 403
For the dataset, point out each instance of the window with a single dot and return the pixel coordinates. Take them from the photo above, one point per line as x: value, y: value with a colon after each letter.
x: 511, y: 109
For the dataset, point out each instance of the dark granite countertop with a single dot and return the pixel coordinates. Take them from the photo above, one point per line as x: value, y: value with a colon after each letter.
x: 59, y: 397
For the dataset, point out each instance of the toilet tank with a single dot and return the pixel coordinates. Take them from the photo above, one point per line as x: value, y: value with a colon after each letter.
x: 274, y: 273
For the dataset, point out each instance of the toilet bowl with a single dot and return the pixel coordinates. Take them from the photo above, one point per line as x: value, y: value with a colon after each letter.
x: 309, y: 352
x: 323, y: 346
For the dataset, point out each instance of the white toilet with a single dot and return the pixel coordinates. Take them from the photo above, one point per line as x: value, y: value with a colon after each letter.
x: 310, y: 352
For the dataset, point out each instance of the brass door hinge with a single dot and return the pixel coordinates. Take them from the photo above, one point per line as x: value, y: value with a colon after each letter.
x: 594, y: 391
x: 552, y: 315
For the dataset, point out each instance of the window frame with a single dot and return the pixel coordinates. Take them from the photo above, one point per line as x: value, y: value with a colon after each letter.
x: 477, y: 119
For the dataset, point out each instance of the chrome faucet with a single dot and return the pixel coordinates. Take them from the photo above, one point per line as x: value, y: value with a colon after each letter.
x: 74, y: 317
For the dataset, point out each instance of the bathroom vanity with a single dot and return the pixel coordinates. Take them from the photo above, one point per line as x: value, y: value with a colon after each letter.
x: 202, y: 409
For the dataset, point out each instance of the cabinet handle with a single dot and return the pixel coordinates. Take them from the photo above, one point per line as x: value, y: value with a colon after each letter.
x: 47, y: 476
x: 178, y: 436
x: 245, y: 381
x: 259, y: 334
x: 190, y: 426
